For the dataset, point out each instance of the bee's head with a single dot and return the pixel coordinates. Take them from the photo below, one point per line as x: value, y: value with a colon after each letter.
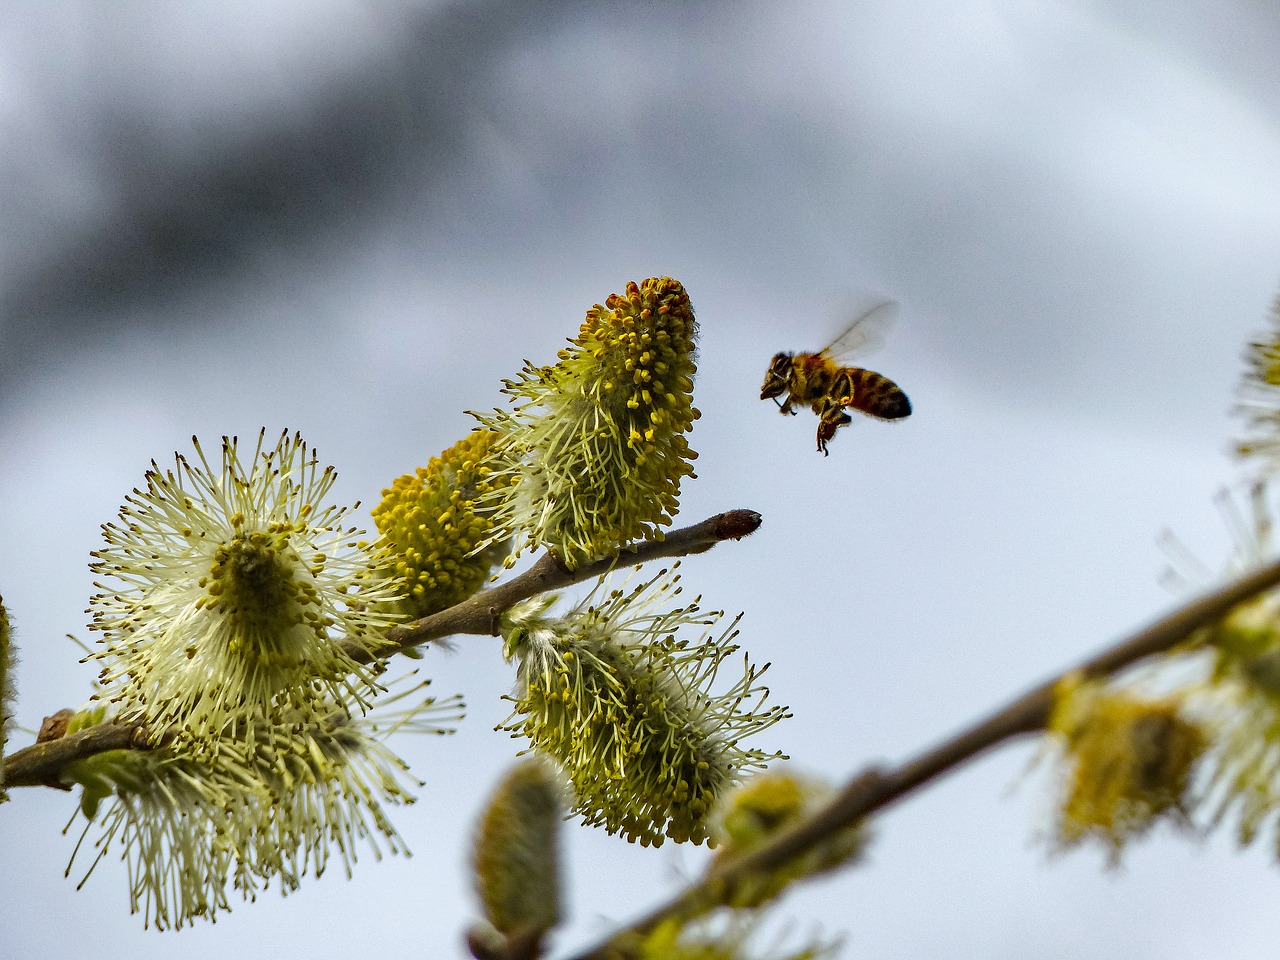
x: 776, y: 377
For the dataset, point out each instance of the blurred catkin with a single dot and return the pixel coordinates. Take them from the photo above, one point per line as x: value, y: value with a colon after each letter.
x: 517, y: 852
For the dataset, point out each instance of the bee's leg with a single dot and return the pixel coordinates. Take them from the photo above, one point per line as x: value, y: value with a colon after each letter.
x: 832, y: 418
x: 826, y: 430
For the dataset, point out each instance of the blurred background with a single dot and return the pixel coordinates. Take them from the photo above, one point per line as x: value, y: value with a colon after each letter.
x: 352, y: 218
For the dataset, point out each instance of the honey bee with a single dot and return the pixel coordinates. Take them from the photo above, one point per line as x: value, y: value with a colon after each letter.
x: 821, y: 382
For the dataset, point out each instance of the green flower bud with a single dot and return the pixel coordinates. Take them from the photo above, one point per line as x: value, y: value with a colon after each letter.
x: 517, y: 856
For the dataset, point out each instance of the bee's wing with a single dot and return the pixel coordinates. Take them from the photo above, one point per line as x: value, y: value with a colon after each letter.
x: 865, y: 335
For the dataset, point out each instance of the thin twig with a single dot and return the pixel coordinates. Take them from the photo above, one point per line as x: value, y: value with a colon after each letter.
x: 875, y: 789
x: 42, y: 763
x: 478, y: 614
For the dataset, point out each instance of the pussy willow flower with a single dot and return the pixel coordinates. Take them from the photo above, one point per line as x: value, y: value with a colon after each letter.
x: 1245, y: 643
x: 228, y: 591
x: 1128, y: 762
x: 767, y: 805
x: 436, y: 525
x: 1243, y: 766
x: 329, y: 783
x: 517, y: 852
x: 175, y: 819
x: 627, y: 708
x: 192, y: 829
x: 1260, y: 397
x: 597, y: 441
x: 1240, y: 697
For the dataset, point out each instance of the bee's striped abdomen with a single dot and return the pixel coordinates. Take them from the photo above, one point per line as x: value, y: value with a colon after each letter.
x: 872, y: 394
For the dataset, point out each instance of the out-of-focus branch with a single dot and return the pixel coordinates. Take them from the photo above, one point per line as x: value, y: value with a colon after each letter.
x: 878, y: 788
x: 42, y: 763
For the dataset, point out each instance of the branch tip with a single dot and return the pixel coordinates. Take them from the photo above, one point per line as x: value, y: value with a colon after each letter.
x: 736, y: 524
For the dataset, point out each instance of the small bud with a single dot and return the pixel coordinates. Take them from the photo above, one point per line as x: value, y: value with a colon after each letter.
x: 55, y: 726
x: 485, y: 942
x: 517, y: 855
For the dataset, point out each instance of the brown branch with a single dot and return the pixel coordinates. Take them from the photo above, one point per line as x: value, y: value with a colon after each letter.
x: 480, y: 613
x: 42, y: 763
x: 876, y: 788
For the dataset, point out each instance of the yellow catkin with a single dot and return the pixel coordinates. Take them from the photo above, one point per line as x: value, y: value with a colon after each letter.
x: 766, y: 805
x: 597, y: 442
x: 627, y: 709
x: 435, y: 525
x: 1129, y: 762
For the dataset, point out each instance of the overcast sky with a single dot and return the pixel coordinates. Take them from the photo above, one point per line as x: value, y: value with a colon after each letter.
x: 353, y: 219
